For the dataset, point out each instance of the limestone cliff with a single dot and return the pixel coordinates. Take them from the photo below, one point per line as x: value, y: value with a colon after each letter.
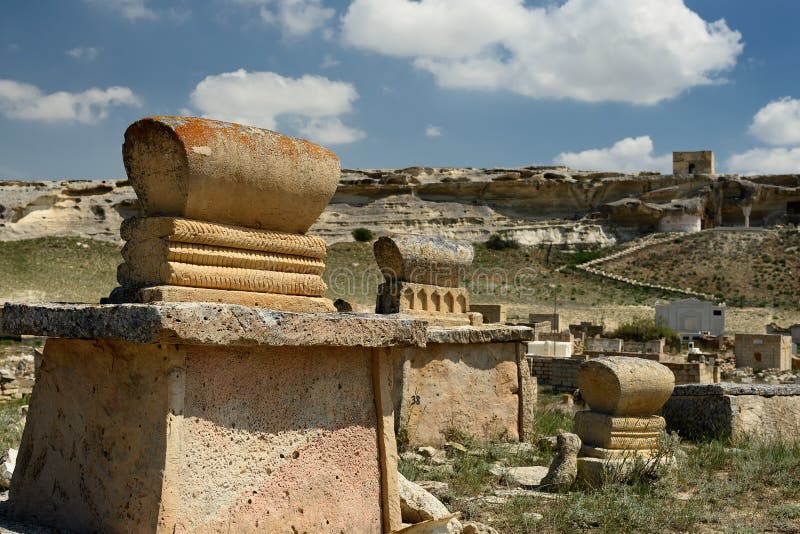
x: 531, y: 204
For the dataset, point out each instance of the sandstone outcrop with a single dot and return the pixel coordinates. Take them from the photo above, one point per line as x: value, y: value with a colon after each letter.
x: 533, y: 205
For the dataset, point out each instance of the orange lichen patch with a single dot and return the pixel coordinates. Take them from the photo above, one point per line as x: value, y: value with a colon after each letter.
x: 194, y: 131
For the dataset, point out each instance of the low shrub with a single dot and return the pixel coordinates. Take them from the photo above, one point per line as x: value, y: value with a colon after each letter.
x: 363, y: 235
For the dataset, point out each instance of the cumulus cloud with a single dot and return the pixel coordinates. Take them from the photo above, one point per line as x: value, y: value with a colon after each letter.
x: 766, y: 161
x: 312, y: 105
x: 637, y: 51
x: 631, y: 154
x: 433, y: 131
x: 83, y: 53
x: 778, y: 123
x: 24, y: 101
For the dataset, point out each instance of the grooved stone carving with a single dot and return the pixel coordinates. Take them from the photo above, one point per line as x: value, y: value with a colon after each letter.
x: 218, y: 171
x: 148, y: 256
x: 186, y: 274
x: 609, y: 432
x: 221, y: 235
x: 423, y: 260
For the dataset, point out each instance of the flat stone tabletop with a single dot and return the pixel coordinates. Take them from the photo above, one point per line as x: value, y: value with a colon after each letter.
x: 733, y: 388
x: 492, y: 333
x: 198, y: 323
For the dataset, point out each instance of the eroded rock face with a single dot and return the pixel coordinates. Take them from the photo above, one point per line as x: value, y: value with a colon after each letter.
x: 533, y: 205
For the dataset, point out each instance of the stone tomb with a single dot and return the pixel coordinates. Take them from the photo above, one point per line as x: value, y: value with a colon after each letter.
x: 736, y: 411
x: 226, y: 210
x: 423, y: 278
x: 473, y: 379
x: 189, y: 417
x: 623, y: 395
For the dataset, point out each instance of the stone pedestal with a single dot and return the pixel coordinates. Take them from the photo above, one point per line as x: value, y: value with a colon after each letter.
x: 473, y: 379
x: 619, y: 433
x: 209, y: 418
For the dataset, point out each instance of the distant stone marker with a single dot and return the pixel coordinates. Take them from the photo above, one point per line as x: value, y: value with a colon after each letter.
x: 422, y: 278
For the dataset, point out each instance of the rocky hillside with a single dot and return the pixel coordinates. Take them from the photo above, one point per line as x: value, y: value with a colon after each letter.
x: 533, y: 205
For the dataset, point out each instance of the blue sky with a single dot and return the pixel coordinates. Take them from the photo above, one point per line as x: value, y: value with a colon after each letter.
x: 597, y: 84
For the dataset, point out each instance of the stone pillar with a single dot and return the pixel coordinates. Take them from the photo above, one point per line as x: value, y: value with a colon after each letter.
x: 623, y: 394
x: 190, y: 417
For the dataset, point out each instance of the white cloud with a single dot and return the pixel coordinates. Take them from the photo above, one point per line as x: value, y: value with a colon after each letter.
x: 778, y: 123
x: 637, y: 51
x: 329, y: 61
x: 433, y: 131
x: 24, y: 101
x: 83, y: 53
x: 631, y: 154
x: 129, y: 9
x: 312, y: 105
x: 766, y: 161
x: 295, y: 18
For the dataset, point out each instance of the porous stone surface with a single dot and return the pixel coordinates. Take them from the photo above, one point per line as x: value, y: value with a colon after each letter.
x: 228, y: 173
x: 179, y: 438
x: 564, y: 467
x: 272, y: 301
x: 735, y: 388
x: 483, y: 334
x: 423, y: 259
x: 472, y: 387
x: 623, y: 386
x: 738, y: 411
x: 208, y: 324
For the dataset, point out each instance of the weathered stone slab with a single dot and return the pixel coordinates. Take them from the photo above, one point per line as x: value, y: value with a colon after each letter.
x: 733, y: 388
x: 162, y: 438
x: 476, y: 388
x: 208, y: 324
x: 228, y: 173
x: 272, y: 301
x: 423, y: 259
x: 482, y: 334
x: 737, y: 411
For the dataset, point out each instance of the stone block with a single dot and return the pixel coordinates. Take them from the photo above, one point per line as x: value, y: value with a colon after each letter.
x: 492, y: 313
x: 159, y: 422
x: 737, y: 411
x: 473, y: 383
x: 552, y: 349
